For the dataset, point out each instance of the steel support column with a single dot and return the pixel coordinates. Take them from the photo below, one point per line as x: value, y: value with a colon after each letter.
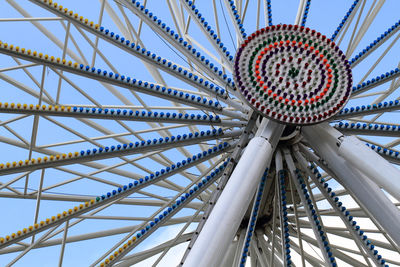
x: 324, y: 140
x: 212, y: 244
x: 371, y: 164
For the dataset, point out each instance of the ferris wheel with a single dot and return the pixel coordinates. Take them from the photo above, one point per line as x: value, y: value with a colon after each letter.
x: 199, y: 133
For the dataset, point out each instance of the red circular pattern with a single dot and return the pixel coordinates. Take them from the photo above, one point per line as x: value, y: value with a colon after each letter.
x: 300, y: 84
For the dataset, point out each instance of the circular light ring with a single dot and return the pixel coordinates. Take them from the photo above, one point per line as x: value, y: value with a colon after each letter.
x: 293, y: 75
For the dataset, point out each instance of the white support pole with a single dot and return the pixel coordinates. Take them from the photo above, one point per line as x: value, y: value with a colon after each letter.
x: 278, y: 168
x: 276, y: 256
x: 300, y: 12
x: 298, y: 230
x: 230, y: 254
x: 60, y: 261
x: 238, y: 252
x: 274, y: 230
x: 261, y: 256
x: 324, y: 140
x: 224, y: 220
x: 371, y: 164
x: 318, y: 236
x: 253, y: 256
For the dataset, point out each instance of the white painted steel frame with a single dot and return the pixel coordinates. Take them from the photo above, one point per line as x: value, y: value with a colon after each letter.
x: 212, y: 243
x: 325, y: 141
x: 259, y: 246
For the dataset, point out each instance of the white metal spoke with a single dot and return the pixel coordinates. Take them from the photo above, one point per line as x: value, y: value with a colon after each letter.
x: 365, y: 25
x: 153, y: 217
x: 175, y: 110
x: 353, y: 185
x: 169, y: 37
x: 47, y: 33
x: 149, y: 59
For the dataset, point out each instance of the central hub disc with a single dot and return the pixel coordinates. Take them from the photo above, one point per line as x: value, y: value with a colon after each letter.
x: 293, y: 75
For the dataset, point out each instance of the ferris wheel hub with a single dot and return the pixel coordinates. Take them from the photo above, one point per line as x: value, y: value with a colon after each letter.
x: 293, y: 75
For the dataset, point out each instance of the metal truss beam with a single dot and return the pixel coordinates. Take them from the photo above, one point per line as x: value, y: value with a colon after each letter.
x: 364, y: 27
x: 369, y: 195
x: 375, y: 167
x: 111, y: 152
x: 171, y: 208
x: 368, y: 129
x: 43, y: 29
x: 235, y: 18
x: 244, y: 138
x: 348, y: 222
x: 340, y: 255
x: 346, y: 19
x: 111, y: 114
x: 375, y: 44
x: 84, y: 198
x: 314, y: 219
x: 135, y: 258
x: 110, y: 197
x: 81, y: 237
x: 208, y: 32
x: 378, y: 80
x: 163, y: 64
x: 170, y: 36
x: 359, y: 111
x: 111, y: 78
x: 390, y: 155
x: 236, y: 195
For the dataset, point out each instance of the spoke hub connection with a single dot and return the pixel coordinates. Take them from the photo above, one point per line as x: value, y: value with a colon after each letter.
x: 293, y: 75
